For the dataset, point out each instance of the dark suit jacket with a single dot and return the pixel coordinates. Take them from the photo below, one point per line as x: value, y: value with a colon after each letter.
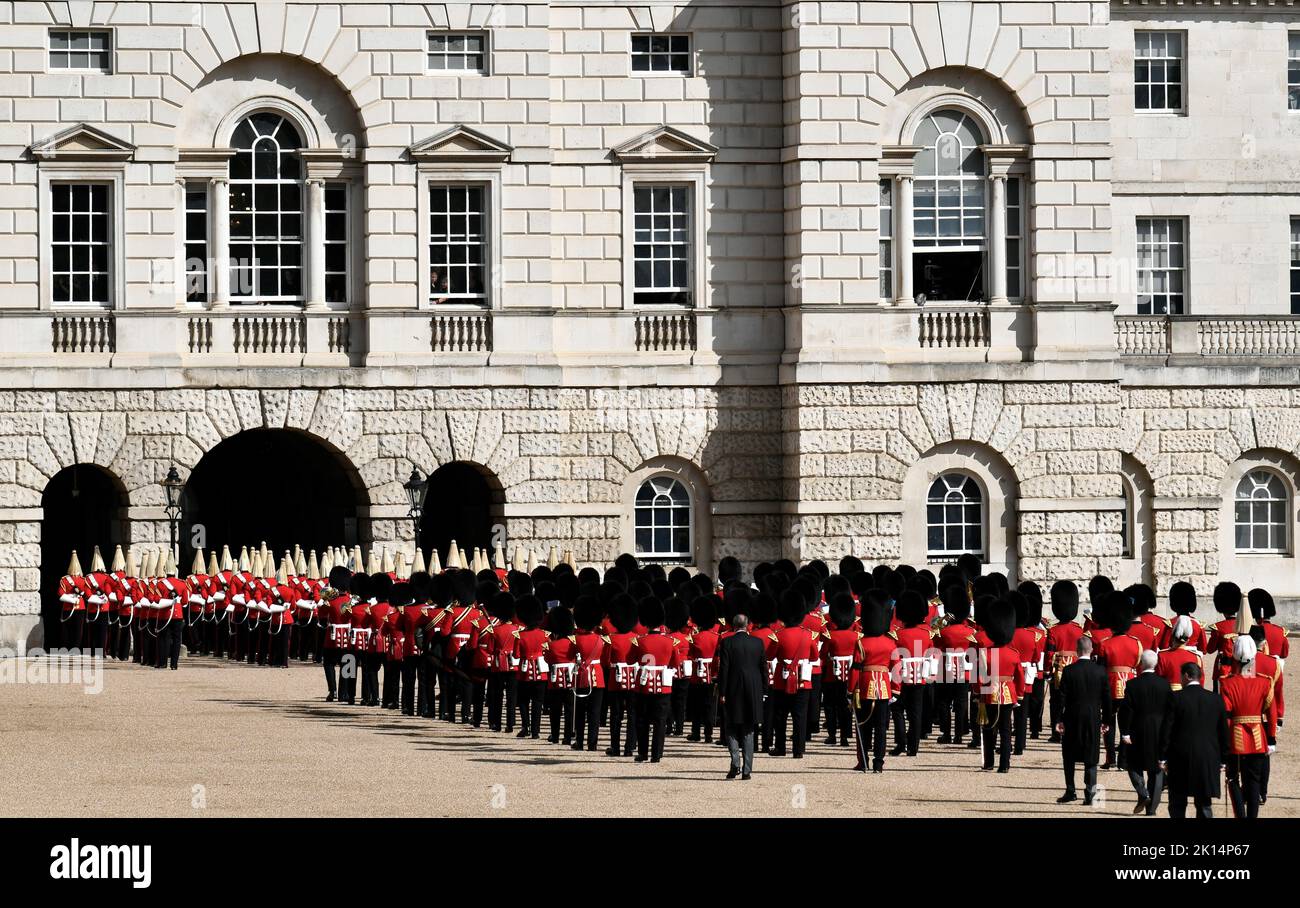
x: 1194, y: 740
x: 1147, y: 698
x: 742, y: 675
x: 1083, y: 693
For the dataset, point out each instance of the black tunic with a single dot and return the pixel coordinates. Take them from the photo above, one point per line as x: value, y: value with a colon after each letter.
x: 742, y: 675
x: 1147, y: 699
x: 1194, y: 741
x: 1083, y: 698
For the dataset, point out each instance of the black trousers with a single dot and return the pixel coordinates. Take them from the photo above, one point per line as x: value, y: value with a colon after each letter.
x: 169, y: 644
x: 531, y: 694
x: 680, y: 690
x: 279, y: 644
x: 1089, y: 777
x: 427, y: 681
x: 499, y: 685
x: 1036, y: 697
x: 1178, y: 800
x: 559, y: 705
x: 586, y: 718
x: 792, y: 709
x: 835, y: 699
x: 1109, y: 713
x: 394, y: 670
x: 97, y: 632
x: 331, y: 663
x: 1148, y: 786
x: 952, y: 702
x: 456, y: 688
x: 907, y: 718
x: 997, y: 733
x: 622, y: 707
x: 410, y: 669
x: 813, y: 723
x: 1054, y: 707
x: 350, y: 666
x: 699, y: 708
x: 122, y: 648
x: 872, y: 717
x: 478, y: 694
x: 1245, y: 775
x: 651, y: 723
x: 73, y: 628
x: 370, y: 679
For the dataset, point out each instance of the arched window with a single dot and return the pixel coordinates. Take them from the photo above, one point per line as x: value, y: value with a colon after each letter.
x: 950, y: 180
x: 266, y: 211
x: 954, y: 517
x: 1261, y: 513
x: 664, y: 522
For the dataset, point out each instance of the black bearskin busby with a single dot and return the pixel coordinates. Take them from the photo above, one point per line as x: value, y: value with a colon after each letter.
x: 381, y: 585
x: 1000, y: 621
x: 340, y: 578
x: 910, y: 608
x: 530, y: 610
x: 842, y: 612
x: 876, y: 613
x: 1182, y: 598
x: 587, y: 613
x: 792, y: 611
x: 676, y: 614
x: 956, y: 604
x: 650, y: 612
x: 559, y: 621
x: 401, y: 594
x: 622, y: 613
x: 1261, y: 604
x: 1118, y: 611
x: 704, y: 612
x: 1227, y: 599
x: 359, y: 586
x: 1065, y: 601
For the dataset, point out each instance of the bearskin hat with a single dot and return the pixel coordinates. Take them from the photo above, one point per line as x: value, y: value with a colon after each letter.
x: 1182, y: 598
x: 729, y: 569
x: 1000, y: 621
x: 1099, y: 588
x: 1033, y: 592
x: 542, y: 574
x: 340, y: 578
x: 1261, y: 604
x: 1020, y: 604
x: 704, y: 612
x: 359, y: 586
x: 652, y: 573
x: 762, y: 610
x: 486, y: 575
x: 589, y: 575
x: 676, y: 614
x: 703, y: 582
x: 559, y: 621
x: 835, y: 584
x: 910, y: 608
x: 1142, y: 597
x: 1227, y: 599
x: 568, y: 587
x: 677, y: 576
x: 650, y: 612
x: 1065, y: 601
x: 622, y: 613
x: 381, y: 585
x: 502, y: 607
x: 617, y: 576
x: 421, y: 585
x: 980, y: 609
x: 1000, y: 582
x: 628, y: 564
x: 587, y: 613
x: 785, y: 566
x: 1119, y: 613
x: 956, y: 604
x: 484, y: 591
x: 736, y: 600
x: 530, y: 611
x: 860, y: 582
x: 401, y: 594
x: 970, y: 566
x: 842, y: 611
x: 792, y: 608
x: 876, y: 613
x: 520, y: 583
x: 879, y: 574
x: 926, y: 583
x: 895, y: 583
x: 849, y: 565
x: 984, y: 586
x: 689, y: 592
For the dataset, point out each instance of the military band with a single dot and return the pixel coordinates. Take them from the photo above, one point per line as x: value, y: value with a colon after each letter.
x: 630, y: 655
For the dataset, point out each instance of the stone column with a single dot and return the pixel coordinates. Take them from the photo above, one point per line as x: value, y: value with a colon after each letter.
x: 997, y: 257
x: 903, y: 228
x: 219, y: 251
x: 315, y: 250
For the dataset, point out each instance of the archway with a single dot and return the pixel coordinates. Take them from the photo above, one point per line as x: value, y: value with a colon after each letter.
x: 280, y: 486
x: 463, y: 502
x: 83, y: 506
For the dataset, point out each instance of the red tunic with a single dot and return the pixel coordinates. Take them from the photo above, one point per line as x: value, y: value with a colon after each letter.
x: 1002, y: 676
x: 1062, y: 647
x: 838, y: 654
x: 1170, y: 664
x: 876, y: 668
x: 703, y: 655
x: 530, y: 654
x: 72, y: 593
x: 916, y: 665
x: 656, y: 661
x: 1252, y: 715
x: 623, y: 674
x: 501, y: 647
x: 593, y: 659
x: 338, y: 621
x: 563, y: 652
x: 1029, y: 642
x: 794, y: 653
x: 1275, y: 637
x: 1196, y: 641
x: 1121, y: 655
x: 957, y: 641
x: 1220, y: 642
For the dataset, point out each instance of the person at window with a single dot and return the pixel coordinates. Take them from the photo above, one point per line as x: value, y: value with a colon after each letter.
x: 437, y: 286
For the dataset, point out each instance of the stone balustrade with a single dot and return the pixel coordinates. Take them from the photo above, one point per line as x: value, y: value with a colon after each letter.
x: 1223, y: 337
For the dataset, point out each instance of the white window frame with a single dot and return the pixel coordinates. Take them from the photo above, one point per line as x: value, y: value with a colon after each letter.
x: 486, y: 37
x: 1185, y: 242
x: 1285, y: 526
x: 888, y: 274
x: 693, y: 176
x: 187, y: 185
x: 1293, y: 273
x: 946, y: 554
x: 687, y: 73
x: 111, y: 51
x: 437, y: 173
x: 1182, y: 59
x: 1017, y: 232
x: 1293, y: 71
x: 674, y: 557
x: 113, y: 176
x: 697, y: 489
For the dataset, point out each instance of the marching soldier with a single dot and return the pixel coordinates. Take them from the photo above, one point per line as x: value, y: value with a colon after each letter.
x: 958, y: 641
x: 1121, y: 653
x: 99, y: 583
x: 530, y: 646
x: 72, y: 600
x: 195, y: 604
x: 1227, y: 602
x: 837, y: 668
x: 677, y: 619
x: 622, y: 684
x: 1262, y: 610
x: 173, y: 596
x: 1252, y: 725
x: 119, y: 638
x: 791, y: 684
x: 703, y: 651
x: 657, y: 663
x: 1182, y: 601
x: 337, y: 618
x: 498, y: 642
x: 562, y: 650
x: 1170, y: 662
x: 914, y: 639
x: 592, y: 658
x: 1061, y: 645
x: 874, y: 679
x: 1002, y: 683
x: 1030, y: 641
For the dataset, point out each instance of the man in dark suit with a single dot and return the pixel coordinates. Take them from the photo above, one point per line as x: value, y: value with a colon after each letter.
x: 742, y: 674
x: 1194, y: 742
x: 1147, y: 699
x: 1083, y: 694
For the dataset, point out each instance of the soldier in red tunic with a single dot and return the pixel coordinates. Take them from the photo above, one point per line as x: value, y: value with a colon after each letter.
x: 956, y: 638
x: 1252, y: 727
x: 530, y: 653
x: 72, y: 601
x: 337, y: 617
x: 1227, y: 602
x: 592, y: 663
x: 914, y: 643
x: 1170, y: 662
x: 1001, y: 681
x: 1262, y: 610
x: 1182, y: 601
x: 702, y: 654
x: 1030, y: 641
x: 1061, y: 646
x: 791, y: 682
x: 498, y: 642
x: 677, y: 619
x: 657, y: 664
x: 837, y: 669
x: 562, y: 656
x: 874, y: 678
x: 1120, y: 653
x: 394, y: 635
x: 622, y: 676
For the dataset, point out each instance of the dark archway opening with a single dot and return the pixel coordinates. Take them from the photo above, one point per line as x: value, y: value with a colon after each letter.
x: 277, y: 486
x: 463, y: 502
x: 83, y: 506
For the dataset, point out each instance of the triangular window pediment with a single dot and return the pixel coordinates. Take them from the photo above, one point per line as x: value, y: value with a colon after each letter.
x: 460, y: 143
x: 665, y: 144
x: 82, y: 142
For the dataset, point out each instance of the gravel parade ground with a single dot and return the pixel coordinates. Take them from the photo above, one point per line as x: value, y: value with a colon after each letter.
x: 218, y: 739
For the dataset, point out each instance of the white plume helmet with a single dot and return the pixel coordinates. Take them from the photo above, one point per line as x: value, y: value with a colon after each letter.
x: 74, y: 565
x: 532, y: 561
x: 453, y: 556
x: 1182, y: 629
x: 517, y: 561
x: 313, y: 566
x: 245, y: 561
x: 418, y: 563
x: 258, y: 564
x: 552, y: 558
x: 435, y: 565
x: 358, y: 560
x: 119, y: 562
x: 1244, y: 621
x: 300, y: 563
x: 197, y: 567
x: 97, y: 561
x: 227, y: 563
x: 326, y: 564
x: 402, y: 567
x: 149, y: 565
x: 213, y: 567
x: 282, y: 575
x: 130, y: 567
x: 499, y: 558
x: 1244, y: 649
x: 170, y: 566
x: 297, y: 550
x: 569, y: 559
x: 390, y: 564
x: 374, y: 567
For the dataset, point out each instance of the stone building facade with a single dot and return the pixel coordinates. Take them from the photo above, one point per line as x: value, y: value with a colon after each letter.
x: 707, y: 277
